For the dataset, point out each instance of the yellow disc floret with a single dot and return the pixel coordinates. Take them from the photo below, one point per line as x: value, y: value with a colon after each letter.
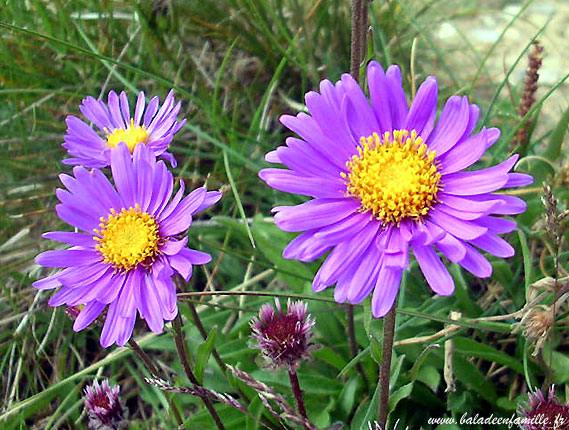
x: 395, y: 177
x: 128, y: 238
x: 133, y: 135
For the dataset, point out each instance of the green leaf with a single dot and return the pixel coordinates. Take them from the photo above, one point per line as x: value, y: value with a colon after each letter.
x: 204, y: 351
x: 256, y: 410
x: 470, y: 348
x: 271, y: 242
x: 430, y: 376
x: 348, y: 394
x: 400, y: 394
x: 473, y: 379
x: 354, y: 361
x: 553, y: 150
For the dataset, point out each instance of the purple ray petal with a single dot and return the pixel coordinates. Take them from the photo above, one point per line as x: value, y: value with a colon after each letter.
x: 462, y: 229
x: 385, y: 291
x: 314, y: 214
x: 451, y: 126
x: 434, y: 270
x: 423, y: 110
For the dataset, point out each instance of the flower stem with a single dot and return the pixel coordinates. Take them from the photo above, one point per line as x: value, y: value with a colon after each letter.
x: 297, y: 393
x: 359, y: 20
x: 180, y: 346
x: 358, y: 48
x: 154, y: 372
x: 385, y: 371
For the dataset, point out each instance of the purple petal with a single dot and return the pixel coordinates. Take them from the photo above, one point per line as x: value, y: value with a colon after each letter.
x: 88, y: 314
x: 379, y: 96
x: 173, y: 246
x: 465, y: 230
x: 307, y: 128
x: 181, y: 263
x: 111, y: 328
x: 475, y: 263
x: 465, y: 215
x: 149, y: 305
x: 76, y: 239
x: 67, y: 258
x: 291, y: 182
x: 398, y: 102
x: 314, y: 214
x: 306, y: 247
x: 344, y: 229
x: 507, y: 205
x: 140, y: 102
x: 49, y: 282
x: 326, y: 116
x: 497, y: 225
x: 364, y: 119
x: 125, y: 108
x: 180, y: 218
x: 302, y: 157
x: 434, y: 270
x: 211, y: 198
x: 518, y: 180
x: 423, y: 110
x: 451, y: 126
x: 365, y: 277
x: 480, y: 181
x: 114, y: 108
x: 494, y: 245
x: 123, y: 173
x: 385, y: 291
x: 452, y: 248
x: 464, y: 154
x: 470, y: 203
x: 342, y: 256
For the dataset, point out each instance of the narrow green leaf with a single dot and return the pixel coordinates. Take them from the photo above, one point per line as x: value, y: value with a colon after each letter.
x: 204, y: 352
x: 471, y: 348
x: 553, y: 150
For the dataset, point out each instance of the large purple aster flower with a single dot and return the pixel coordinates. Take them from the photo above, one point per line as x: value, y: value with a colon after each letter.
x: 128, y: 248
x: 384, y: 179
x: 153, y: 126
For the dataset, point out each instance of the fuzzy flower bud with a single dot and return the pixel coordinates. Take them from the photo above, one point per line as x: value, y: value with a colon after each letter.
x: 104, y: 407
x: 283, y: 338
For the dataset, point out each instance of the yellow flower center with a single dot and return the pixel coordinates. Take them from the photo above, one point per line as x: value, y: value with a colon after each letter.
x: 395, y: 177
x: 128, y: 238
x: 133, y: 135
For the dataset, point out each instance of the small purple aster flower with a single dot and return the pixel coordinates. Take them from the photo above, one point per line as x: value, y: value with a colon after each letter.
x: 153, y: 126
x: 283, y: 338
x: 544, y: 414
x: 384, y: 178
x: 129, y: 246
x: 104, y: 407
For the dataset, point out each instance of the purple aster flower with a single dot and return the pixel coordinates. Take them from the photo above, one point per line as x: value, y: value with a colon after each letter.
x: 104, y: 407
x: 151, y: 125
x: 283, y: 338
x: 128, y: 247
x: 543, y: 414
x: 383, y: 179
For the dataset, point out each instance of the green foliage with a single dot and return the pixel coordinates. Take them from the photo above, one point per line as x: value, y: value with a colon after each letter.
x: 237, y: 65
